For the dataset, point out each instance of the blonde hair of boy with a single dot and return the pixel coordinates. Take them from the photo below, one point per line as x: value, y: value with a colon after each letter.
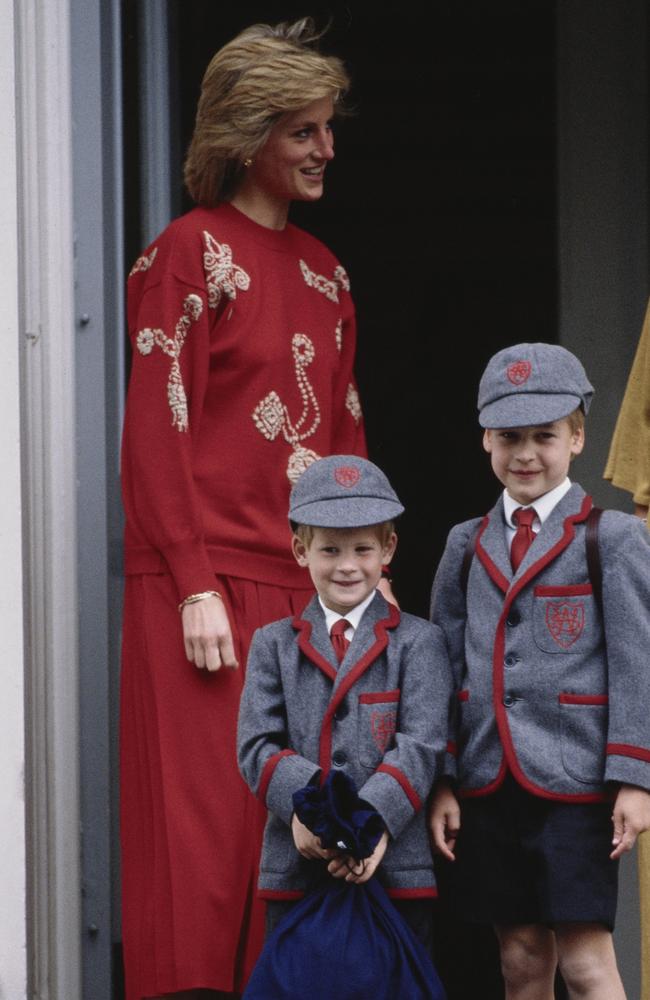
x: 305, y: 532
x: 576, y: 420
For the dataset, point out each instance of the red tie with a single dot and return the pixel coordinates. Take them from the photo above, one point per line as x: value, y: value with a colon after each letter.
x: 524, y: 535
x: 337, y: 636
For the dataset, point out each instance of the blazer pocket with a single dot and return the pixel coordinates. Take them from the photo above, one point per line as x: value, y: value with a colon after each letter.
x: 566, y: 619
x: 377, y: 723
x: 583, y: 729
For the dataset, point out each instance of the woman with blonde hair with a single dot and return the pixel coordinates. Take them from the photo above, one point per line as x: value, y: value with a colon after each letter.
x: 243, y: 338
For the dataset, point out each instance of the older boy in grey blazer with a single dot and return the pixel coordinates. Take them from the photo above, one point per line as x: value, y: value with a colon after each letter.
x: 375, y: 706
x: 551, y: 736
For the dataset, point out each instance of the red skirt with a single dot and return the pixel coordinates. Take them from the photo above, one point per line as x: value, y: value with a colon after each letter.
x: 190, y: 829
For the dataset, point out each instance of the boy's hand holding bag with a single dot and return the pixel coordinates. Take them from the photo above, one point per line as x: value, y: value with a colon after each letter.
x: 343, y: 940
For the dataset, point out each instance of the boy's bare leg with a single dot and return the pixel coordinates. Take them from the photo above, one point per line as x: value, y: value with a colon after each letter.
x: 528, y: 961
x: 588, y: 962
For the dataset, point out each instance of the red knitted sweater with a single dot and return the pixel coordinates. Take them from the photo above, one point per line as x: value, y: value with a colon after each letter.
x: 243, y: 347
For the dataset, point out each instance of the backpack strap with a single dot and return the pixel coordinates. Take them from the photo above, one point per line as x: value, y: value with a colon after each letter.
x: 594, y: 567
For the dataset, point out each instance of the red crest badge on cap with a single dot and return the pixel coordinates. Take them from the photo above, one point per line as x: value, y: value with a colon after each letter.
x: 519, y: 372
x: 347, y: 475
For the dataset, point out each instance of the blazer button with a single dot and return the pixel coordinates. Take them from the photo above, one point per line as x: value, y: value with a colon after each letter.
x: 339, y: 759
x: 511, y: 660
x: 508, y: 700
x: 513, y: 618
x: 341, y: 711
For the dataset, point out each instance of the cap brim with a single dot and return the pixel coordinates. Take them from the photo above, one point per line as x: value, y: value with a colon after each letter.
x: 345, y: 512
x: 526, y: 409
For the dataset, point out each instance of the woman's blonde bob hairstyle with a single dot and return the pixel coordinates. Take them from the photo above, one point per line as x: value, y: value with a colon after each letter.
x: 249, y: 84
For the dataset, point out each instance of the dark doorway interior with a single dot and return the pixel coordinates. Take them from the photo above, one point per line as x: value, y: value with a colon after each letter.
x: 441, y: 204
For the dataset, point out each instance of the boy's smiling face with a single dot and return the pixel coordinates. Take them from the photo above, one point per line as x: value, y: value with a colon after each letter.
x: 344, y: 563
x: 530, y: 461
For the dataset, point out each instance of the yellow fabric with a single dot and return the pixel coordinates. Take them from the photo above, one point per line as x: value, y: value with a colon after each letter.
x: 628, y: 464
x: 644, y: 890
x: 643, y: 861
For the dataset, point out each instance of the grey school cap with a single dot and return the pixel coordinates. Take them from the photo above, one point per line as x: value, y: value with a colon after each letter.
x: 343, y: 491
x: 532, y: 384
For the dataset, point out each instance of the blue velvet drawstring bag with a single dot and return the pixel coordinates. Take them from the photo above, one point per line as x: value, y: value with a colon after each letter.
x: 343, y: 941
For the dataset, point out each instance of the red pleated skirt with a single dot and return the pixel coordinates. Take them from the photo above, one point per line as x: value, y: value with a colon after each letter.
x: 190, y: 829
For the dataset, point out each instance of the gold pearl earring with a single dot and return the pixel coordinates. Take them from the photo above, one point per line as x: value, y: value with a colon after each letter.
x: 248, y: 162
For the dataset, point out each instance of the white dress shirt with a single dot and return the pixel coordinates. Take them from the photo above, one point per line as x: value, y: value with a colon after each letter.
x: 353, y: 616
x: 542, y: 507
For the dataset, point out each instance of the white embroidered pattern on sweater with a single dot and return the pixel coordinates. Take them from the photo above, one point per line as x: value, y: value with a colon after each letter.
x: 222, y: 275
x: 271, y: 415
x: 148, y: 338
x: 353, y: 403
x: 144, y: 263
x: 329, y: 287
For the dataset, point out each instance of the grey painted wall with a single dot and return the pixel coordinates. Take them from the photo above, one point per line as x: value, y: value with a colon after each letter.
x: 603, y: 205
x: 603, y: 256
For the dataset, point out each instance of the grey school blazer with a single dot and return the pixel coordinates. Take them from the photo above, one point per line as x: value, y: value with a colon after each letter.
x: 381, y: 716
x: 543, y: 685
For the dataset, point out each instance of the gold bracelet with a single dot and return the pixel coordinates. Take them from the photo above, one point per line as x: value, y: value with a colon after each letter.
x: 193, y: 598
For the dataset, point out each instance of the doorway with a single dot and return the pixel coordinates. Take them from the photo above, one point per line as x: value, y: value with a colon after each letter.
x: 441, y: 204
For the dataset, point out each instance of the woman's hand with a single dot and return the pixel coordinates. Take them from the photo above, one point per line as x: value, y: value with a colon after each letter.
x: 385, y: 589
x: 207, y: 635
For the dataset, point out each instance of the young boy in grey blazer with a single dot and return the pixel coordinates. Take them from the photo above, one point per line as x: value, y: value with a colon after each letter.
x: 549, y: 753
x: 352, y: 683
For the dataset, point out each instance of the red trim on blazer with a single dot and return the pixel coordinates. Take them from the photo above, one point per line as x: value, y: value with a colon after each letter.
x: 377, y: 698
x: 267, y: 773
x: 428, y: 893
x: 463, y: 695
x: 280, y: 894
x: 582, y: 699
x: 305, y: 646
x: 475, y: 793
x: 541, y: 793
x: 357, y: 671
x: 625, y: 750
x: 452, y: 748
x: 578, y: 590
x: 493, y: 571
x: 289, y: 894
x: 498, y: 678
x: 407, y: 787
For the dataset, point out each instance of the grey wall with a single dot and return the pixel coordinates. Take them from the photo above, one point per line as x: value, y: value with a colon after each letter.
x: 99, y: 279
x: 603, y: 256
x: 603, y: 205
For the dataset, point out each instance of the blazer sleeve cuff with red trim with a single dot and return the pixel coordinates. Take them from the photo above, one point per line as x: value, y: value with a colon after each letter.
x: 390, y: 792
x: 628, y: 765
x: 284, y: 775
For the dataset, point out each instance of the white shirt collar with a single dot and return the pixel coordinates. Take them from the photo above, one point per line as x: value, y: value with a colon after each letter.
x: 353, y: 616
x: 543, y: 505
